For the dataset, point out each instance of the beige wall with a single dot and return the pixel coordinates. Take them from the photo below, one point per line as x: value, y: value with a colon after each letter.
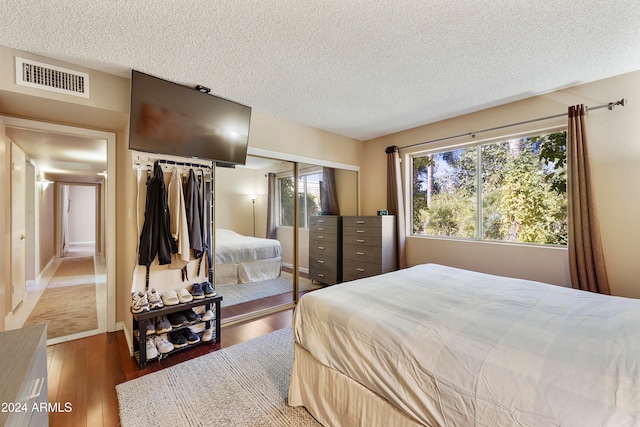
x: 615, y: 151
x: 5, y: 231
x: 82, y: 214
x: 46, y: 228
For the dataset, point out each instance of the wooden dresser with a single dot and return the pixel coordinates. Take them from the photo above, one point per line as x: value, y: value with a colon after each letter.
x: 23, y: 377
x: 325, y: 249
x: 368, y: 246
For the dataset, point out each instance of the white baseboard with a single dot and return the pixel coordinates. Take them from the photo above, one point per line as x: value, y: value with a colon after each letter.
x: 120, y: 327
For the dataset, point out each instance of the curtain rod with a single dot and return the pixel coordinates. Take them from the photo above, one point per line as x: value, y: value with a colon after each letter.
x: 609, y: 106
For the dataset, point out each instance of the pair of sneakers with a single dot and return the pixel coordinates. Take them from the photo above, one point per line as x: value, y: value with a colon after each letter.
x: 139, y: 302
x: 183, y: 337
x: 201, y: 290
x: 145, y: 301
x: 158, y: 345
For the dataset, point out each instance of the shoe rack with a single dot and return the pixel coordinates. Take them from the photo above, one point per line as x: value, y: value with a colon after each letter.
x: 140, y: 321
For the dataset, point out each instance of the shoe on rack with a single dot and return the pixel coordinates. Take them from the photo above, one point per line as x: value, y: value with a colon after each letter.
x: 190, y: 336
x: 151, y: 327
x: 208, y: 335
x: 162, y: 344
x: 152, y: 351
x: 170, y: 298
x: 139, y: 302
x: 163, y: 325
x: 184, y: 295
x: 208, y: 315
x: 154, y: 299
x: 196, y: 291
x: 191, y: 316
x: 208, y: 290
x: 178, y: 339
x: 177, y: 319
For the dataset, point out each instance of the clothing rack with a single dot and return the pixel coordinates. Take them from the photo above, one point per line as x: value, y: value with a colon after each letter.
x: 205, y: 174
x: 610, y: 106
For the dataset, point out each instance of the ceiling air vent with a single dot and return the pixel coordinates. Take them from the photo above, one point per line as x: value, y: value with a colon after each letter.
x: 49, y: 77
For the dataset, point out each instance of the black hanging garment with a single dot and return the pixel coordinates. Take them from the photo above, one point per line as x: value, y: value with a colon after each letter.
x: 205, y: 224
x: 156, y: 238
x: 194, y: 214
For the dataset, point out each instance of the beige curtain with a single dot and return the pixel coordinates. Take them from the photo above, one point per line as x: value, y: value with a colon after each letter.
x: 395, y: 202
x: 586, y: 260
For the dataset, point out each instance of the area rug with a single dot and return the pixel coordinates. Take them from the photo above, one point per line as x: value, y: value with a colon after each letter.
x: 242, y: 292
x: 242, y: 385
x: 68, y: 304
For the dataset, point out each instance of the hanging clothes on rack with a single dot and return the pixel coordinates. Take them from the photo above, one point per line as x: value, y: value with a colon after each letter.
x: 205, y: 222
x: 155, y: 238
x: 179, y: 227
x: 194, y: 216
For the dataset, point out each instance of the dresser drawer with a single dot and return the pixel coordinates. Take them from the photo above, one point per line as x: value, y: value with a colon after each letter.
x: 362, y: 221
x: 323, y: 275
x: 369, y: 232
x: 323, y: 247
x: 323, y: 261
x: 323, y: 236
x: 363, y: 253
x: 357, y: 270
x: 323, y: 220
x: 361, y: 240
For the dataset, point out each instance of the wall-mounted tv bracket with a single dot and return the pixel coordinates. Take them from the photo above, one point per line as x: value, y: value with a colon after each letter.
x: 203, y: 89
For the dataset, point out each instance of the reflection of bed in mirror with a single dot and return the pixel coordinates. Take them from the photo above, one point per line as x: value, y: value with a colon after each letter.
x: 245, y: 259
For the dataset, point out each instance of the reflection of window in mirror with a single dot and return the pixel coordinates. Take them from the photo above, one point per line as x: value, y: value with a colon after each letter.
x: 309, y: 182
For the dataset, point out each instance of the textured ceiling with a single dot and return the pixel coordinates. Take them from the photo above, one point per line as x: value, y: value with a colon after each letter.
x: 353, y: 67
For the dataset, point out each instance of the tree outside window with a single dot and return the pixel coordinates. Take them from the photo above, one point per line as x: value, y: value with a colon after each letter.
x: 308, y: 198
x: 512, y: 191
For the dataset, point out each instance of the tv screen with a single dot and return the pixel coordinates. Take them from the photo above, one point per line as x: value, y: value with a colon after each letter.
x: 168, y: 118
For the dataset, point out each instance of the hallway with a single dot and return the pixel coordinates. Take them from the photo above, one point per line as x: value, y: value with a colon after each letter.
x: 36, y: 288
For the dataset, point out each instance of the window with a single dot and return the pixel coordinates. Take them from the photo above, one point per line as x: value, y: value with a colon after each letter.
x: 513, y: 191
x: 308, y: 198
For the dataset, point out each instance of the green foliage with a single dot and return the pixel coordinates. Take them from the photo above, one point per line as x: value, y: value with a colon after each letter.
x: 523, y: 191
x: 286, y: 204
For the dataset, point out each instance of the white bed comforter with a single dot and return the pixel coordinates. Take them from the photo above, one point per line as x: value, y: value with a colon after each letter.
x: 234, y: 248
x: 451, y: 347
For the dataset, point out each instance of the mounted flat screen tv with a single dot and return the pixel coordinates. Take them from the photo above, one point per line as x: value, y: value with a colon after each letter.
x: 168, y: 118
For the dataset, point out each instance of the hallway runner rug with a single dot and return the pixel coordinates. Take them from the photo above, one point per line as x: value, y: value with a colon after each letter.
x: 243, y: 385
x: 68, y: 304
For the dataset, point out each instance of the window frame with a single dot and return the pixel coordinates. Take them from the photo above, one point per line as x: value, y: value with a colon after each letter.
x: 442, y: 147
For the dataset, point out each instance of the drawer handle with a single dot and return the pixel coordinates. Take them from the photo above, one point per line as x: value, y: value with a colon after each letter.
x: 360, y: 270
x: 320, y: 275
x: 359, y: 253
x: 321, y: 248
x: 320, y: 237
x: 37, y: 388
x: 320, y: 228
x: 360, y: 240
x: 320, y: 261
x: 359, y: 231
x: 360, y: 222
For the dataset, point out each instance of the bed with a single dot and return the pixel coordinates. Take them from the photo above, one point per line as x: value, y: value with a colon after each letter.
x: 439, y: 346
x: 243, y: 259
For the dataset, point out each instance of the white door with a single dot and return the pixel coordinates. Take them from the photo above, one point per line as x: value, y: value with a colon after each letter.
x: 18, y: 282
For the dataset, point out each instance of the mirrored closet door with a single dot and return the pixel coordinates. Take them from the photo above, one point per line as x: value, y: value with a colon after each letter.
x: 254, y: 239
x: 254, y: 209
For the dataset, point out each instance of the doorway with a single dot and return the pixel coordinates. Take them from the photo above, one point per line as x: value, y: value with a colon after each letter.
x: 36, y: 139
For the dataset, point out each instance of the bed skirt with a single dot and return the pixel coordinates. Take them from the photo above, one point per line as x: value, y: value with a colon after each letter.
x: 335, y: 399
x: 247, y: 272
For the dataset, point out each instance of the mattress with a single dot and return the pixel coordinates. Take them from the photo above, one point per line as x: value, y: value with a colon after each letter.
x: 234, y: 248
x: 450, y: 347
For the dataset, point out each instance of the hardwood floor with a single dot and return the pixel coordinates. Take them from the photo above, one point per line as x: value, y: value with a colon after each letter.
x: 85, y: 372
